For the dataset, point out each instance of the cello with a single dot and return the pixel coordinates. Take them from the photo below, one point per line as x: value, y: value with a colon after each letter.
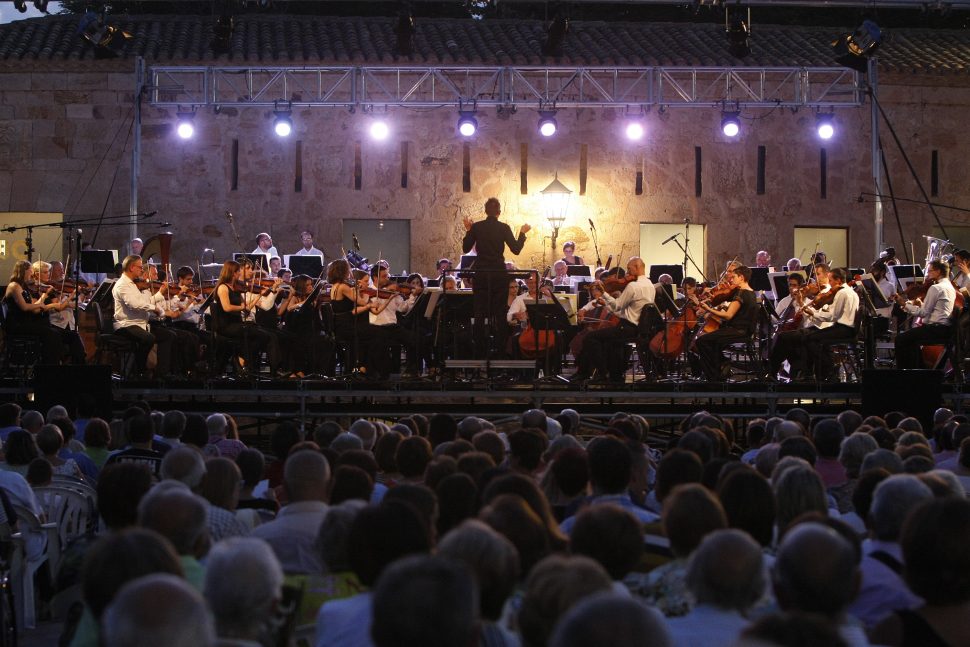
x: 533, y: 343
x: 669, y: 343
x: 599, y: 318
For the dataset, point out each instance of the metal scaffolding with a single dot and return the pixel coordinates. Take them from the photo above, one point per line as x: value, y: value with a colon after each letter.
x: 368, y: 87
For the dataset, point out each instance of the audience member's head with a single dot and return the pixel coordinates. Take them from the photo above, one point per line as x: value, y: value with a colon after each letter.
x: 512, y: 517
x: 173, y: 425
x: 677, y: 467
x: 492, y: 444
x: 892, y: 501
x: 799, y: 489
x: 31, y: 421
x: 610, y: 535
x: 350, y: 482
x: 854, y: 450
x: 380, y: 535
x: 610, y: 619
x: 243, y: 585
x: 366, y: 431
x: 864, y: 489
x: 121, y: 487
x: 158, y: 610
x: 306, y: 476
x: 934, y: 541
x: 749, y: 504
x: 727, y: 571
x: 492, y: 559
x: 185, y: 465
x: 179, y: 516
x: 610, y: 465
x: 815, y: 572
x: 221, y: 483
x: 457, y: 501
x: 334, y: 531
x: 827, y: 436
x: 689, y: 514
x: 425, y: 601
x: 442, y: 428
x: 412, y: 457
x: 850, y: 421
x: 20, y: 448
x: 882, y: 458
x: 525, y: 450
x: 799, y: 446
x: 554, y: 586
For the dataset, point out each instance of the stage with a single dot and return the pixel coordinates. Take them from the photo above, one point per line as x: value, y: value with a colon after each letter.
x: 663, y: 402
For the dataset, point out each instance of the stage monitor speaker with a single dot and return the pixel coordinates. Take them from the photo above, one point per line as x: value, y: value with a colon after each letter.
x: 917, y: 393
x: 67, y: 385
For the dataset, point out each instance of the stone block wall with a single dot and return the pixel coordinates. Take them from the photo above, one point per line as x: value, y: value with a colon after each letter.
x: 66, y: 140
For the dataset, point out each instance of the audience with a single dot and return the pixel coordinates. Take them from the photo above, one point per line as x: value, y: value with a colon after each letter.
x: 545, y: 538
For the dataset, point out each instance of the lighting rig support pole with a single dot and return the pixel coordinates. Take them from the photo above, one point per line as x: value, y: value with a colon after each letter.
x: 136, y: 148
x: 878, y: 232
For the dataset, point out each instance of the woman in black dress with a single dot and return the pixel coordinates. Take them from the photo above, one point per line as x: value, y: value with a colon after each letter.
x: 27, y: 314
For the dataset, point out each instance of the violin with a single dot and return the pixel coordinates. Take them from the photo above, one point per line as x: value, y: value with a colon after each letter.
x: 387, y: 293
x: 823, y: 299
x: 614, y: 284
x: 918, y: 290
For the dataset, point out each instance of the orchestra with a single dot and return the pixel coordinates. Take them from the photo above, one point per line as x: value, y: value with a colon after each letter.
x: 360, y: 320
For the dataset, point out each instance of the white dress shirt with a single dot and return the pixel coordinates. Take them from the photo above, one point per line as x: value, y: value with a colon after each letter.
x: 782, y: 305
x: 313, y: 251
x: 270, y: 253
x: 842, y: 311
x: 631, y: 301
x: 388, y: 315
x: 134, y: 307
x: 190, y: 312
x: 938, y: 304
x: 518, y: 305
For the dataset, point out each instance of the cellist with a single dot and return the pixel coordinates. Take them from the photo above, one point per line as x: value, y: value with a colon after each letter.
x: 518, y: 318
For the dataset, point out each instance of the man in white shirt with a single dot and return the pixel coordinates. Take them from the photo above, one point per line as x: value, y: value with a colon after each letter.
x: 879, y: 270
x: 383, y: 316
x: 935, y: 312
x: 791, y: 345
x: 133, y: 308
x: 561, y: 276
x: 264, y: 245
x: 604, y: 350
x: 308, y: 249
x: 840, y: 315
x: 788, y: 306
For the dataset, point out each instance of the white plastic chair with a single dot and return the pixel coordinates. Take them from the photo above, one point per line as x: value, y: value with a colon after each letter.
x: 22, y: 568
x: 71, y: 508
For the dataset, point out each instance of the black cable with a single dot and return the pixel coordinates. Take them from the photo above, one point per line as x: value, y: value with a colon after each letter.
x: 114, y: 178
x: 909, y: 164
x: 892, y: 198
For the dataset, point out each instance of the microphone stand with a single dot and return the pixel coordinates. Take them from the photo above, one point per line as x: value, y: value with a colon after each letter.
x: 596, y: 247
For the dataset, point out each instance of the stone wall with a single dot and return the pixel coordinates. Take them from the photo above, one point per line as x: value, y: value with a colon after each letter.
x: 65, y: 145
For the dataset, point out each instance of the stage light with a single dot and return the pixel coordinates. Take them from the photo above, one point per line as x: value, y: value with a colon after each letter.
x: 738, y: 31
x: 853, y: 50
x: 634, y: 129
x: 547, y: 123
x: 186, y: 125
x: 108, y: 40
x: 467, y: 124
x: 379, y: 130
x: 731, y: 123
x: 283, y: 119
x: 824, y: 125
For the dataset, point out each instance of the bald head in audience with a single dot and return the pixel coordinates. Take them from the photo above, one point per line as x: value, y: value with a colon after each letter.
x: 306, y: 476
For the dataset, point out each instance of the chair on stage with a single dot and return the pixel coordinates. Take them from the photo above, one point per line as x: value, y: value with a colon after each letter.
x: 848, y: 357
x: 120, y: 347
x: 651, y: 322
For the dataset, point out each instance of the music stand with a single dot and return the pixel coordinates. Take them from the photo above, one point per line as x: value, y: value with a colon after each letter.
x: 855, y: 271
x: 547, y: 317
x: 875, y: 293
x: 676, y: 271
x: 310, y: 265
x: 578, y: 270
x: 99, y: 261
x: 466, y: 262
x: 901, y: 272
x: 759, y: 280
x: 779, y: 284
x: 562, y: 289
x: 258, y: 260
x: 102, y: 295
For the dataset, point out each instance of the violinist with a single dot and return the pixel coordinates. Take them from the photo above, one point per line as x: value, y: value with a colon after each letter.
x: 604, y: 350
x: 737, y: 324
x: 63, y: 319
x: 592, y: 316
x: 961, y: 265
x: 888, y: 288
x: 187, y: 346
x: 569, y: 254
x: 133, y: 309
x: 790, y: 306
x: 230, y: 307
x: 383, y: 320
x: 350, y: 309
x: 27, y: 315
x: 308, y: 349
x: 417, y: 327
x: 934, y: 309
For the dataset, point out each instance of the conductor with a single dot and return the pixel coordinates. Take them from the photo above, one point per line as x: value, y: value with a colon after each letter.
x: 490, y: 288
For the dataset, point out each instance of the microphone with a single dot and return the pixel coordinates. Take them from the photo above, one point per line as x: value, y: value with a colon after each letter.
x: 591, y: 225
x: 670, y: 239
x: 687, y: 220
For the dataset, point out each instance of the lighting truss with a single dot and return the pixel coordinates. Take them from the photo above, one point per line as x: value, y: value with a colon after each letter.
x: 564, y: 87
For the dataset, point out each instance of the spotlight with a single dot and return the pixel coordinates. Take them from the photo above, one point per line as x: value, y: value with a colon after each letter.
x: 824, y: 125
x: 108, y: 40
x: 634, y: 129
x: 731, y: 123
x: 283, y: 121
x: 555, y: 35
x: 20, y: 5
x: 853, y: 50
x: 547, y: 123
x: 186, y: 124
x: 738, y: 31
x: 467, y: 124
x: 379, y: 130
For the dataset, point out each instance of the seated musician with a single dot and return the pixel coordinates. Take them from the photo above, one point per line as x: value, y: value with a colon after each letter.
x: 188, y: 342
x: 737, y: 324
x: 560, y: 277
x: 831, y: 324
x: 789, y: 343
x: 604, y: 351
x: 935, y: 310
x: 306, y: 238
x: 789, y: 306
x: 383, y: 319
x: 308, y: 349
x: 888, y: 288
x: 61, y: 318
x: 416, y: 327
x: 518, y: 318
x: 960, y: 272
x: 569, y: 254
x: 134, y: 308
x: 27, y: 314
x: 232, y: 308
x: 350, y: 309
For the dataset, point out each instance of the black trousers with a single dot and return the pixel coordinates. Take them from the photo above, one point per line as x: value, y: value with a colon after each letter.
x: 605, y: 350
x: 908, y: 343
x: 254, y: 340
x: 816, y: 338
x: 51, y: 340
x: 490, y: 301
x: 709, y: 349
x: 789, y: 345
x: 144, y: 340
